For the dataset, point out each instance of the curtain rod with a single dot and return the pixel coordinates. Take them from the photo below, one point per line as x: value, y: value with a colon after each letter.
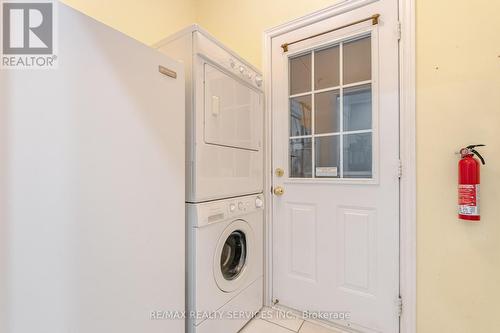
x: 373, y: 18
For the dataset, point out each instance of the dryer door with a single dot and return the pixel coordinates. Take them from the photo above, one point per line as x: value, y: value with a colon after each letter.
x: 233, y: 111
x: 233, y: 255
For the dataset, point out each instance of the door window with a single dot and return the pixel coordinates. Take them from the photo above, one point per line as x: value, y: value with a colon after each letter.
x: 331, y: 111
x: 301, y: 158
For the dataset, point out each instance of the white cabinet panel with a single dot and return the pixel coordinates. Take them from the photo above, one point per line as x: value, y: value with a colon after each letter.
x: 93, y: 194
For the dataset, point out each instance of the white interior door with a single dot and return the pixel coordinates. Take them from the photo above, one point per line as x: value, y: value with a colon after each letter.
x: 336, y: 138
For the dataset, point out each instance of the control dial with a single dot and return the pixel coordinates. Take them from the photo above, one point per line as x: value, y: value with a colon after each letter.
x: 258, y: 202
x: 258, y: 80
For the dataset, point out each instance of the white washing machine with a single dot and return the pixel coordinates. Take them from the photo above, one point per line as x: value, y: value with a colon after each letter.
x: 224, y: 117
x: 225, y: 280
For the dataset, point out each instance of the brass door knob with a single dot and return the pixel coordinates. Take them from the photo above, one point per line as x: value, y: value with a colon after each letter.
x: 278, y: 190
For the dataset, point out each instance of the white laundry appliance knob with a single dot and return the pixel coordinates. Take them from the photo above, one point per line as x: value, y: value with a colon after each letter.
x: 258, y: 80
x: 258, y: 202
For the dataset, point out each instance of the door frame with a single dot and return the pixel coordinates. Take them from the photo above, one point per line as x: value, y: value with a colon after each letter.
x: 408, y: 190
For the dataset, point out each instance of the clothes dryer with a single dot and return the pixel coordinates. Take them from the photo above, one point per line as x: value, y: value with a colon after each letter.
x: 224, y: 117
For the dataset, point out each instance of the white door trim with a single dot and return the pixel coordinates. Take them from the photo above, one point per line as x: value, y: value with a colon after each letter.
x: 408, y: 184
x: 407, y: 147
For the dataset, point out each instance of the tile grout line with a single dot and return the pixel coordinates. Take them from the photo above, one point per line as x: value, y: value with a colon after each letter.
x: 332, y: 329
x: 303, y: 322
x: 276, y: 324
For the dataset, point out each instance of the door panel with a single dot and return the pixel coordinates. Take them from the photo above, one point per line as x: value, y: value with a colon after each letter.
x: 302, y: 235
x: 335, y: 127
x: 357, y: 251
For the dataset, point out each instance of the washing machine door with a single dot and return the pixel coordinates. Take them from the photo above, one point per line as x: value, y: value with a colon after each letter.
x: 233, y: 256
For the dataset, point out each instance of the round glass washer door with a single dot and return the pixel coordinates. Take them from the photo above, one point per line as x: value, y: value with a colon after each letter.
x: 233, y: 255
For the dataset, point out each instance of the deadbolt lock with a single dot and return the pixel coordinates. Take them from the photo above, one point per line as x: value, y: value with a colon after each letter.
x: 278, y: 190
x: 279, y: 172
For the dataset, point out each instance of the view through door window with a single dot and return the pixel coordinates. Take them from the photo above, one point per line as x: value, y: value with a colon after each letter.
x: 331, y: 126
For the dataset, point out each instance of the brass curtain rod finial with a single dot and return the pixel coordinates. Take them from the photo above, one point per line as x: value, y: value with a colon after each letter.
x: 284, y: 47
x: 375, y: 19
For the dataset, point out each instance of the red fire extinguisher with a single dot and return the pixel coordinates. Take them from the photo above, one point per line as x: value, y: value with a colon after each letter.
x: 468, y: 183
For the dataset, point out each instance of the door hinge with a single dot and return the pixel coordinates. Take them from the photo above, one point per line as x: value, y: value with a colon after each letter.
x: 400, y: 306
x: 399, y: 30
x: 400, y: 169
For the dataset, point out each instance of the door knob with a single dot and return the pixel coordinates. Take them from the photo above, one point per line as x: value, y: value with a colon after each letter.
x: 278, y: 190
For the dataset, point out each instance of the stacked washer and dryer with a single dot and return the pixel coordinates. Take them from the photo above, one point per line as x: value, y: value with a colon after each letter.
x: 224, y: 168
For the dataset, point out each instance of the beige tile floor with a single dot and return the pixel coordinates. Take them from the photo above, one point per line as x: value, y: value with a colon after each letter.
x: 274, y: 321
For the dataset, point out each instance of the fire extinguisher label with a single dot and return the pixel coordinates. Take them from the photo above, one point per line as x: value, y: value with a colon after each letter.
x: 468, y: 199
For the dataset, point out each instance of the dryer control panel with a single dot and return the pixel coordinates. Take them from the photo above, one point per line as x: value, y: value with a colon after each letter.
x: 245, y: 72
x: 217, y: 211
x: 225, y: 58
